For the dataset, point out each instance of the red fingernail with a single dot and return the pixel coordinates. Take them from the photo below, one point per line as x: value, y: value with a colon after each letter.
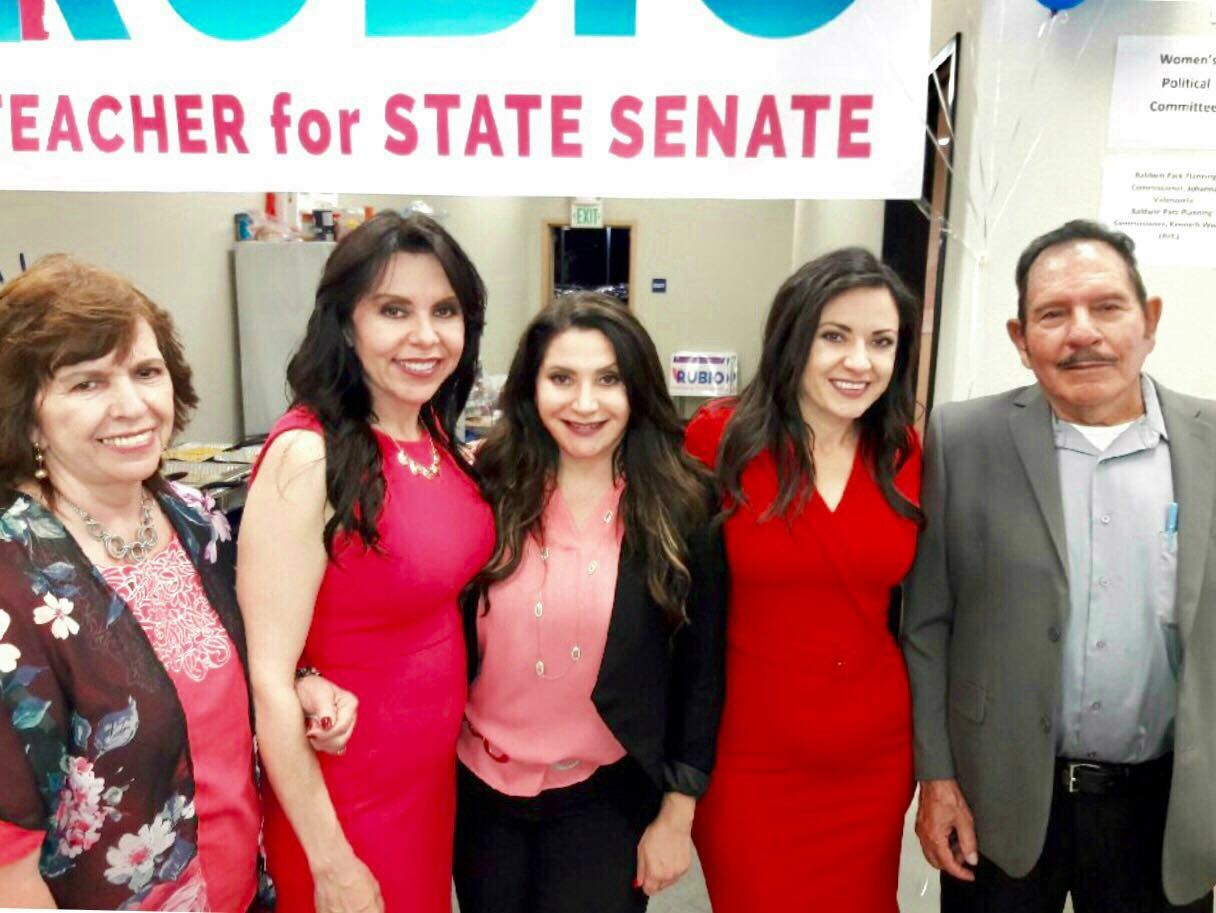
x: 636, y: 884
x: 326, y: 723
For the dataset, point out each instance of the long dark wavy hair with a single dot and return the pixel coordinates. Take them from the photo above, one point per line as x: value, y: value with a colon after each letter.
x: 667, y: 492
x: 325, y: 374
x: 767, y: 415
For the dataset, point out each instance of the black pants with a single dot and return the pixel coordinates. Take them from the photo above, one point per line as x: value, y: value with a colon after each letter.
x: 1104, y: 849
x: 571, y: 850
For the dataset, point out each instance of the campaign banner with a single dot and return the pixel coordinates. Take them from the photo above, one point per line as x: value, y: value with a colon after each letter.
x: 655, y: 98
x: 703, y: 374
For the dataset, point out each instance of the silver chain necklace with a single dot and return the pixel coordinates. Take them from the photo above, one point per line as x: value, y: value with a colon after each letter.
x: 135, y: 551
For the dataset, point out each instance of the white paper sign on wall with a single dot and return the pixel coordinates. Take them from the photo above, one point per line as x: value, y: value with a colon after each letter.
x: 1164, y: 93
x: 1166, y: 202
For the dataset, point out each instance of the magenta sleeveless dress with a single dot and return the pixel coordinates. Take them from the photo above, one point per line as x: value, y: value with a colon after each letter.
x: 386, y: 627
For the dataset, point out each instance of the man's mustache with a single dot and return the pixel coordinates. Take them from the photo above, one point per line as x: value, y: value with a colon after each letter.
x: 1085, y: 356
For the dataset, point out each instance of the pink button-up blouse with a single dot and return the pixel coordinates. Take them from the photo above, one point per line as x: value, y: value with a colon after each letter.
x: 530, y: 724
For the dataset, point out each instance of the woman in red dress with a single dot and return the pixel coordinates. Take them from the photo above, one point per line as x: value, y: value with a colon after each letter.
x: 362, y: 527
x: 821, y: 472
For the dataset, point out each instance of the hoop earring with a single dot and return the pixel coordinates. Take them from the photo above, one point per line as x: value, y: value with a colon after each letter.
x: 40, y: 472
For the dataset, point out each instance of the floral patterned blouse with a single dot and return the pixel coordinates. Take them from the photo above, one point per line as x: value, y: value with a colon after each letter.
x: 93, y: 742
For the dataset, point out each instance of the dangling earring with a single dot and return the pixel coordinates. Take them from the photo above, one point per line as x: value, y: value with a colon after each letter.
x: 40, y: 472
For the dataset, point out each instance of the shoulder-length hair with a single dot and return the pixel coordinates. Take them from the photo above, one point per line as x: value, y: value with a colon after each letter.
x: 767, y: 415
x: 326, y: 377
x: 666, y: 492
x: 62, y: 312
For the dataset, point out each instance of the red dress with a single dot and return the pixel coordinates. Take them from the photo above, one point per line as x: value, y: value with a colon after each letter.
x: 806, y: 805
x: 386, y: 627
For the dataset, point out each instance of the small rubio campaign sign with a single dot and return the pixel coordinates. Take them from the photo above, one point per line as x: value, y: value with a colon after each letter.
x: 703, y: 374
x: 712, y: 98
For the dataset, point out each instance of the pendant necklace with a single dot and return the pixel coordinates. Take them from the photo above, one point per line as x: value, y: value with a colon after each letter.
x: 538, y: 611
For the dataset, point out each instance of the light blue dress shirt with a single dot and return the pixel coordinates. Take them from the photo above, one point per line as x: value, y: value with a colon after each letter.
x: 1121, y: 646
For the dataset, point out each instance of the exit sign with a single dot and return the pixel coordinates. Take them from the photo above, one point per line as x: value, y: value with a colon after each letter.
x: 587, y: 214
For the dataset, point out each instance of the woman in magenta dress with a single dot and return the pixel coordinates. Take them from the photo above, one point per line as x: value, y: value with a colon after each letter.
x: 363, y: 525
x: 821, y: 471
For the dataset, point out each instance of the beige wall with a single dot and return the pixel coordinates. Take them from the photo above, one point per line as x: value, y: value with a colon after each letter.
x: 722, y: 260
x: 175, y: 247
x: 824, y: 225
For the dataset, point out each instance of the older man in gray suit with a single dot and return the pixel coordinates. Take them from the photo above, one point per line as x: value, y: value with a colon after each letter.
x: 1060, y: 621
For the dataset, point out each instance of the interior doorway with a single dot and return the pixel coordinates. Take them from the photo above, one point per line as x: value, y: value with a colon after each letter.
x: 914, y: 235
x: 588, y: 259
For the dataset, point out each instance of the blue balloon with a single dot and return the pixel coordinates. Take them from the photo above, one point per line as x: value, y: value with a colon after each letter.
x: 1056, y: 5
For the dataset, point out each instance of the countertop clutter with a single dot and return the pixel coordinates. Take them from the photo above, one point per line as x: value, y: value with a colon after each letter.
x: 220, y: 469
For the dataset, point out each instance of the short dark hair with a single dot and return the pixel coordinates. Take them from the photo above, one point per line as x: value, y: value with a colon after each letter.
x: 1078, y: 230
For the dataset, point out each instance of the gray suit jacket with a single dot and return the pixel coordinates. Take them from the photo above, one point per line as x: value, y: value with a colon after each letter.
x: 984, y: 614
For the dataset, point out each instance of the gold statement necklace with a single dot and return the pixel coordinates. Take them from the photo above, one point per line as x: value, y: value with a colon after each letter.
x: 416, y: 468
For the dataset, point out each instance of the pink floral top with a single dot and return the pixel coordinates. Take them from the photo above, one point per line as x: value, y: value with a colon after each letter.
x: 125, y: 733
x: 530, y: 724
x: 167, y: 598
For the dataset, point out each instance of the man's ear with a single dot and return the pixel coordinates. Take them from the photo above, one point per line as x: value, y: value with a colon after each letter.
x: 1152, y: 316
x: 1017, y: 336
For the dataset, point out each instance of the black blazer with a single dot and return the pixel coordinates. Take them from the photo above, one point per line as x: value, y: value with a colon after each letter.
x: 660, y: 694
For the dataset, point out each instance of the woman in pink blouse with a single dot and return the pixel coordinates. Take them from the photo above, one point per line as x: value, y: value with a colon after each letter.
x: 595, y: 632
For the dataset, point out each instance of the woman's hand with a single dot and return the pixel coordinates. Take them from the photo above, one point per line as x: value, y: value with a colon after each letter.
x: 346, y: 886
x: 665, y: 850
x: 329, y: 713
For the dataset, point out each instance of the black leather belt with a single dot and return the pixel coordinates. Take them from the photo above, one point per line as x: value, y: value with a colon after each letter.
x: 1098, y: 778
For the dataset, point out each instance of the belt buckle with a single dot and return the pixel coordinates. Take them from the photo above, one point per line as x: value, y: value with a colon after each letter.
x: 1071, y: 770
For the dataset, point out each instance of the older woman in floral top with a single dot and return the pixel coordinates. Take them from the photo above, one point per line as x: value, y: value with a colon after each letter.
x: 126, y: 738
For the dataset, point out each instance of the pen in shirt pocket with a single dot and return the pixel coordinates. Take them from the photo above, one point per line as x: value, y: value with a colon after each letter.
x: 1171, y: 524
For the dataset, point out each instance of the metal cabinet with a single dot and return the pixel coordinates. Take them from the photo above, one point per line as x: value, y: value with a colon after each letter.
x: 276, y: 284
